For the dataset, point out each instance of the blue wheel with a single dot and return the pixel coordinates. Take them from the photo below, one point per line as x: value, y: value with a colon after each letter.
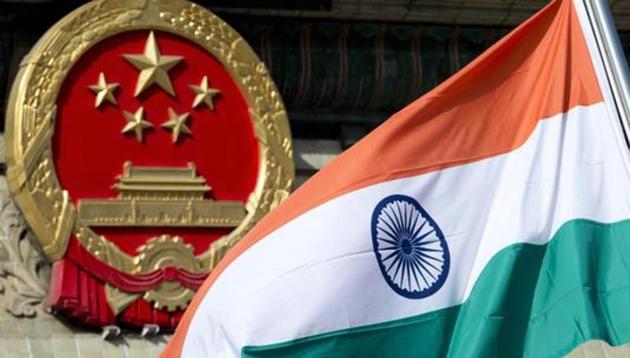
x: 409, y: 246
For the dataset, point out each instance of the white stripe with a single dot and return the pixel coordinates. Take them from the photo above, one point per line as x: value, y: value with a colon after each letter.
x: 318, y: 273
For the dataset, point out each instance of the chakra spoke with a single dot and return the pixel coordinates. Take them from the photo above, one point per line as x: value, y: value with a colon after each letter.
x: 408, y: 218
x: 429, y: 273
x: 397, y: 217
x: 387, y: 222
x: 423, y: 243
x: 390, y: 255
x: 388, y: 241
x: 419, y: 238
x: 410, y: 266
x: 401, y: 217
x: 398, y: 265
x: 389, y: 248
x: 430, y: 257
x: 390, y: 234
x: 415, y: 276
x: 410, y: 226
x: 427, y: 263
x: 404, y: 269
x: 415, y: 234
x: 393, y: 222
x: 420, y: 249
x: 396, y: 259
x: 419, y: 267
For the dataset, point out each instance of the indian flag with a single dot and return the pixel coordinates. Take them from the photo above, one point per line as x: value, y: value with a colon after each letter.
x: 491, y: 217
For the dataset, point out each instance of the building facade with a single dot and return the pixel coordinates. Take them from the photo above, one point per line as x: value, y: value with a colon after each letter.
x: 342, y: 67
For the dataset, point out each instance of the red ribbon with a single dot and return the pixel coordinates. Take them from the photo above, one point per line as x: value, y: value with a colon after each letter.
x: 131, y: 282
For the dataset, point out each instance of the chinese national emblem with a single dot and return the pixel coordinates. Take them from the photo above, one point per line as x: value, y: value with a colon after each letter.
x: 145, y: 138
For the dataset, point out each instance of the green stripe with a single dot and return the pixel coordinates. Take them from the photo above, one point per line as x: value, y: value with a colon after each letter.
x: 530, y: 300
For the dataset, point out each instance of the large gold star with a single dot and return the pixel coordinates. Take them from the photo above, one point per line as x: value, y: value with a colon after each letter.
x: 177, y: 124
x: 136, y: 123
x: 104, y: 91
x: 204, y: 93
x: 153, y: 67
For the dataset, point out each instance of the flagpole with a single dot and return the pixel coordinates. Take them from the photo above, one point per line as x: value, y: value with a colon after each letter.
x: 613, y: 57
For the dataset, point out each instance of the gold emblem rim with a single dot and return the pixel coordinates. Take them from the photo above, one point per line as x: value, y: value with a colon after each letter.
x: 32, y: 110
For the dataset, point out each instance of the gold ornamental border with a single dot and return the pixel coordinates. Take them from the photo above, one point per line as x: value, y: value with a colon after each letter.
x: 32, y: 111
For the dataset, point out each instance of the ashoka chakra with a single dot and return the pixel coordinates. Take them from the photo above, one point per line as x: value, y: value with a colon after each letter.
x: 409, y: 246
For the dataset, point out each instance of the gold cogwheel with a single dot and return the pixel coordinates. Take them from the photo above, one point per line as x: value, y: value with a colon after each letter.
x: 161, y: 252
x: 170, y: 296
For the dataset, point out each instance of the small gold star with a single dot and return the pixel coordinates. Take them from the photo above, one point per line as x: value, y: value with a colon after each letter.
x: 204, y: 93
x: 136, y: 123
x: 177, y: 124
x: 104, y: 91
x: 153, y: 67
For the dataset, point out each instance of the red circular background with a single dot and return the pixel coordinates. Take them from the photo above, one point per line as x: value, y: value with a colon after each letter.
x: 89, y: 149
